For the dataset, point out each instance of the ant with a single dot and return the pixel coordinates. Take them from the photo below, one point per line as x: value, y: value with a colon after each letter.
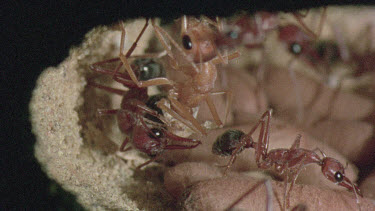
x: 138, y: 115
x: 286, y: 161
x: 251, y: 31
x: 186, y: 84
x: 146, y: 127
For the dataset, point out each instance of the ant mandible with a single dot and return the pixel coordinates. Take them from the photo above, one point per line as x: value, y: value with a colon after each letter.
x: 286, y: 161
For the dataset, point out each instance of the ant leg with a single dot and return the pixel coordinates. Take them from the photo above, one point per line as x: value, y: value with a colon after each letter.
x: 129, y: 69
x: 228, y: 105
x: 96, y: 66
x: 219, y: 60
x: 213, y: 111
x: 148, y: 162
x: 150, y: 82
x: 295, y: 176
x: 149, y: 55
x: 233, y: 157
x: 183, y: 111
x: 211, y: 22
x: 296, y: 142
x: 174, y: 137
x: 102, y: 112
x: 123, y: 145
x: 299, y: 16
x: 162, y: 104
x: 263, y: 141
x: 134, y: 45
x: 269, y: 198
x: 106, y: 88
x: 161, y: 39
x: 341, y: 43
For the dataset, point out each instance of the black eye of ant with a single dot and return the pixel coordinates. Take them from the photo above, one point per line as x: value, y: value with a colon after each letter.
x: 156, y: 133
x: 186, y: 42
x: 296, y: 48
x: 339, y: 177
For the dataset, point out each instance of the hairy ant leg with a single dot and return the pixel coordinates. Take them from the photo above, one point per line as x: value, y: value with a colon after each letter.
x: 229, y: 99
x: 106, y: 88
x: 181, y: 112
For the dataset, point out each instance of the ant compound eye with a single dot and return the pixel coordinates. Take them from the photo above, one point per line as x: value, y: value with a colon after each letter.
x: 186, y: 42
x: 296, y: 48
x: 156, y: 133
x: 339, y: 177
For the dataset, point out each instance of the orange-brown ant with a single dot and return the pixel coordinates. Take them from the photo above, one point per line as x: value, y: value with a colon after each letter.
x: 191, y: 70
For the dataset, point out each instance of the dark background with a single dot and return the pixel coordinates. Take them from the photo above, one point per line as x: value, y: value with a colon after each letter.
x: 37, y: 35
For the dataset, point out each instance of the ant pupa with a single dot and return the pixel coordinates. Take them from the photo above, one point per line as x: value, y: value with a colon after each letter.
x: 287, y: 162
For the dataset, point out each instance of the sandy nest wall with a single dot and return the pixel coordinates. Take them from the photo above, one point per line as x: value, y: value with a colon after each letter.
x: 74, y: 146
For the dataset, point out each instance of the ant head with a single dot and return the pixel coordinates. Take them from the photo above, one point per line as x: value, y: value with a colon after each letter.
x: 335, y: 172
x: 294, y: 37
x: 148, y: 69
x: 198, y: 40
x: 150, y: 141
x: 230, y: 37
x: 227, y: 142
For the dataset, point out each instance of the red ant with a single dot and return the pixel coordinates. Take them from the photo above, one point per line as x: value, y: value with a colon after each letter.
x: 286, y: 161
x: 251, y: 32
x: 138, y: 115
x: 144, y: 125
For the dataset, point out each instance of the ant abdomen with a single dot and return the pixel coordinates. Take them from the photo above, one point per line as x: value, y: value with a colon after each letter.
x: 227, y: 143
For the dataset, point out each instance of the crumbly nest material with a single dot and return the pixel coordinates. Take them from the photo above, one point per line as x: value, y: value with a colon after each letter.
x: 78, y: 149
